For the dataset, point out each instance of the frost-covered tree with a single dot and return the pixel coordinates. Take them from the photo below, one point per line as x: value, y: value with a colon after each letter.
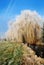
x: 25, y: 27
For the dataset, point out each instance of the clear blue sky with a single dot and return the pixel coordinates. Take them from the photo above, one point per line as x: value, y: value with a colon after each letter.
x: 10, y: 8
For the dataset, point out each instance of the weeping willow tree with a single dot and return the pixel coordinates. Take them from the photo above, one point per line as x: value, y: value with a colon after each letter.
x: 43, y: 33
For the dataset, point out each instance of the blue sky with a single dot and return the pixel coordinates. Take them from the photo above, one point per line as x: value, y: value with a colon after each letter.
x: 10, y: 8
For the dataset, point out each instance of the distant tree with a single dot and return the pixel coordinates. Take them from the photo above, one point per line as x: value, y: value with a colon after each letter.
x: 5, y: 39
x: 43, y: 33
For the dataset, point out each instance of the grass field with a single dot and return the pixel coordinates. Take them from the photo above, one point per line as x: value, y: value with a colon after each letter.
x: 10, y: 53
x: 17, y: 54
